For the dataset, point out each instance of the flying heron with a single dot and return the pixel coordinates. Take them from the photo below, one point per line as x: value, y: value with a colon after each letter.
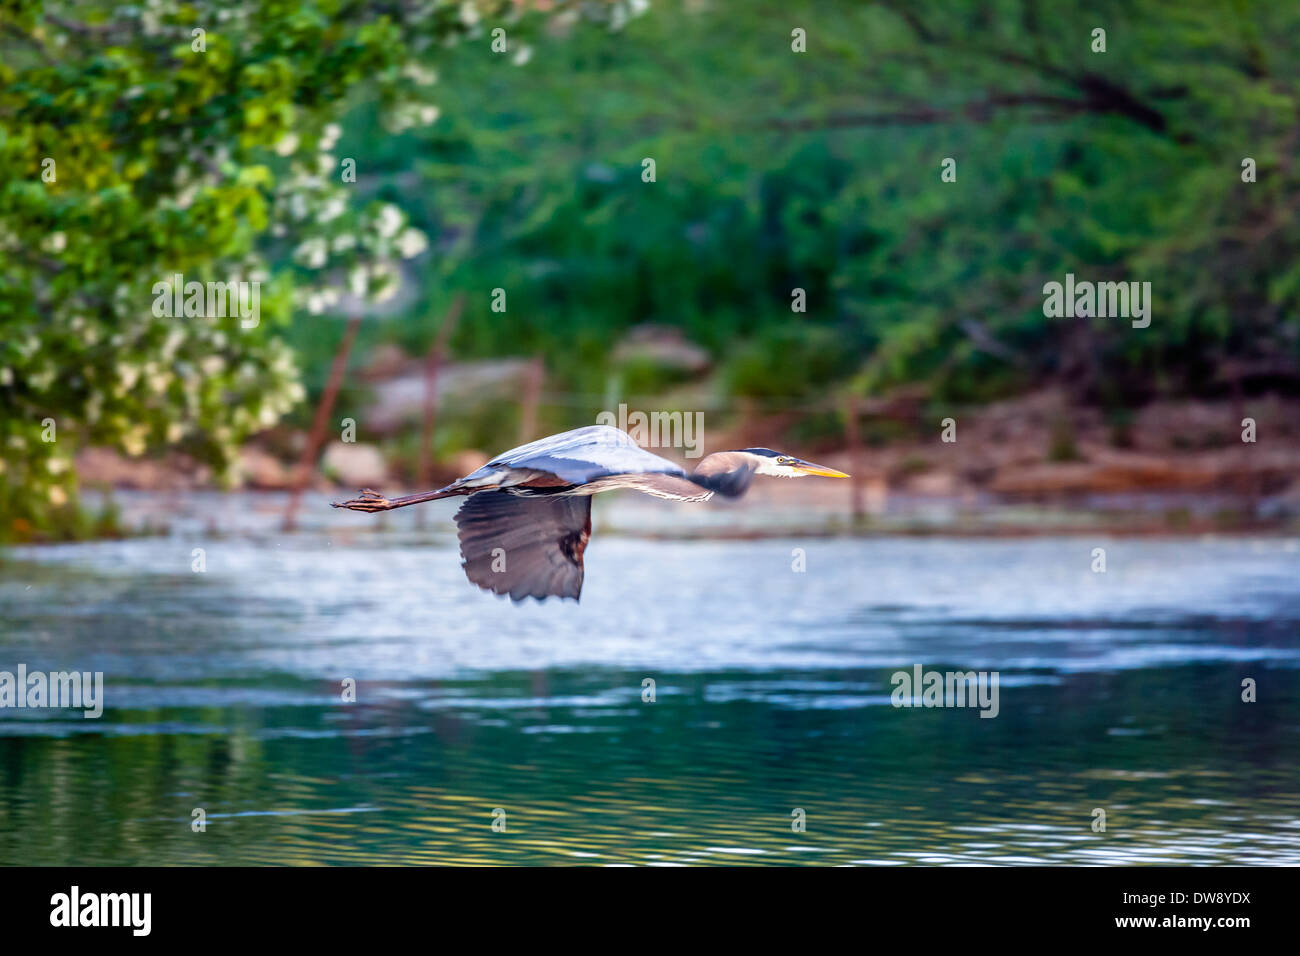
x: 525, y: 524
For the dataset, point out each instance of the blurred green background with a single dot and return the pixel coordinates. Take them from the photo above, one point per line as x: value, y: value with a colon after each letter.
x: 794, y: 147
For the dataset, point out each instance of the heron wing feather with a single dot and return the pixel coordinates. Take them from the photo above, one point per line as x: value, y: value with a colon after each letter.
x: 585, y: 454
x: 524, y: 547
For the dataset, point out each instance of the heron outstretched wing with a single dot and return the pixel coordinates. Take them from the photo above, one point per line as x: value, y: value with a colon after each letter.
x: 524, y: 547
x: 586, y: 454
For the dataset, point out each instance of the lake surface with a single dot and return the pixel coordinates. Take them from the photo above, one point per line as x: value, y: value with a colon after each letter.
x: 1119, y: 691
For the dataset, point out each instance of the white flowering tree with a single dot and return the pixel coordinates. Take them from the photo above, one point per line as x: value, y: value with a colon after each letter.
x: 167, y: 142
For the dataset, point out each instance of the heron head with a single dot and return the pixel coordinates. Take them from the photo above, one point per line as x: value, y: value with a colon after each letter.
x: 780, y: 465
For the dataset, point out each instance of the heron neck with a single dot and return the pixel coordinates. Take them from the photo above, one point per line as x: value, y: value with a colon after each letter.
x: 726, y: 473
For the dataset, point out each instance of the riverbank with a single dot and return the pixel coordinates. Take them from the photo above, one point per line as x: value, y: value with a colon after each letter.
x: 777, y: 511
x: 1032, y: 465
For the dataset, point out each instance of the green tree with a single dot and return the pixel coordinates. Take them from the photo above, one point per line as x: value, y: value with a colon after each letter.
x: 821, y: 170
x: 140, y: 142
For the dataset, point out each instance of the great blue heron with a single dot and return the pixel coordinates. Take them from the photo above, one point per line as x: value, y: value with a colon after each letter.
x: 525, y: 525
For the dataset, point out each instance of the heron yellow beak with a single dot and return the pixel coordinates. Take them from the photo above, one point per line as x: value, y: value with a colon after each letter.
x: 808, y: 468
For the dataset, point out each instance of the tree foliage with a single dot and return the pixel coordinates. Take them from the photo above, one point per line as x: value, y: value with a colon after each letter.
x: 196, y: 139
x: 821, y: 170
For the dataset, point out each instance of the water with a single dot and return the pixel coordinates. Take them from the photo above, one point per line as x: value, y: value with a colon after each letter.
x: 1119, y: 691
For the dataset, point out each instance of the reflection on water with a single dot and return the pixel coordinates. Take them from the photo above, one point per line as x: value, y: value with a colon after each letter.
x: 1119, y: 691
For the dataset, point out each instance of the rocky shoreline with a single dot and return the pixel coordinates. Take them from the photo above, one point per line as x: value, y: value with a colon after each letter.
x: 1029, y: 465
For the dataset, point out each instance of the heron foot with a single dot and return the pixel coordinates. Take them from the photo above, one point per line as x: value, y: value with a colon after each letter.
x: 367, y: 500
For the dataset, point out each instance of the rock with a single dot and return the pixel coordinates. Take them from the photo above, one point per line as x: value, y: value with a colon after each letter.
x: 259, y: 469
x: 354, y: 465
x: 105, y: 466
x: 1111, y: 472
x: 388, y: 361
x: 939, y: 484
x: 399, y: 400
x: 662, y: 345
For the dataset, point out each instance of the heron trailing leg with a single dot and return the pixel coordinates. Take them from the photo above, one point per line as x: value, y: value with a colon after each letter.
x: 371, y: 500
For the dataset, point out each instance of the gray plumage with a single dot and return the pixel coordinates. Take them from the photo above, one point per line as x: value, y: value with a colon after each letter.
x: 525, y: 526
x: 524, y: 547
x: 583, y: 455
